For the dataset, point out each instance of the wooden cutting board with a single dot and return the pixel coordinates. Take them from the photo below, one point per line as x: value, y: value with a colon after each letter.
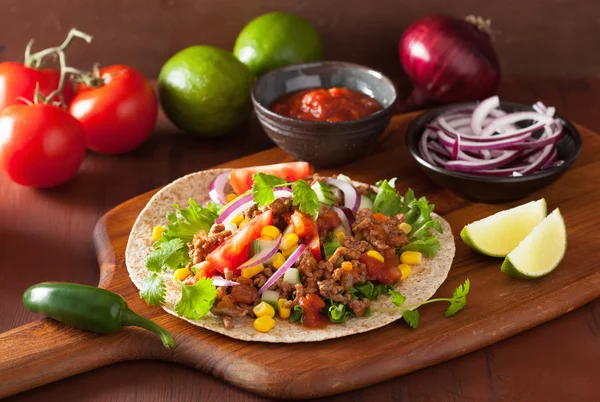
x: 498, y: 306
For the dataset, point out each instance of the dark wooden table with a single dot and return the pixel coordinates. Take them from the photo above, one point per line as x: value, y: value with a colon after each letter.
x: 46, y: 235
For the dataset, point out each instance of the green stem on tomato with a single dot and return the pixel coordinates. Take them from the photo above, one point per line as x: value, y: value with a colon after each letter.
x: 36, y: 60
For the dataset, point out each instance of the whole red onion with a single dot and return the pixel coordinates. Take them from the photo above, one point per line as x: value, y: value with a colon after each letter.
x: 448, y: 60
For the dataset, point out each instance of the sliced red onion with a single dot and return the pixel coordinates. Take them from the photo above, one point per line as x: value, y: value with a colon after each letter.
x: 450, y: 131
x: 466, y: 166
x: 540, y: 160
x: 486, y: 140
x: 264, y: 255
x: 511, y: 118
x: 243, y: 203
x: 455, y: 148
x: 552, y: 159
x: 344, y: 221
x: 286, y: 265
x: 216, y: 188
x: 480, y: 146
x: 481, y: 112
x: 423, y: 144
x: 220, y: 281
x: 351, y: 195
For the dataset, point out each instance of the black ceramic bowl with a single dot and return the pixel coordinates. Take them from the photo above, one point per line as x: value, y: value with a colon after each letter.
x: 493, y: 189
x: 320, y: 143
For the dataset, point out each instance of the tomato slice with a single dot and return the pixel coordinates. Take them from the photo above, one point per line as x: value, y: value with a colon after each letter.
x: 308, y: 231
x: 315, y: 247
x: 241, y: 179
x: 234, y: 251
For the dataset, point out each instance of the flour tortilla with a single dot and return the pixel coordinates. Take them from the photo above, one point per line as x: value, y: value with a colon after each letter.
x: 420, y: 286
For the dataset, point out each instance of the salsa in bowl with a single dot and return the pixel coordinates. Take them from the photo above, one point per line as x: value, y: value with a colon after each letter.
x: 278, y: 97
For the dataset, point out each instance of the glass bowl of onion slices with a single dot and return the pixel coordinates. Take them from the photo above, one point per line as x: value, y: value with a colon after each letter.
x: 493, y: 151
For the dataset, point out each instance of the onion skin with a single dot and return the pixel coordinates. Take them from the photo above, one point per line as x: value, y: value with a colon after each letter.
x: 448, y: 60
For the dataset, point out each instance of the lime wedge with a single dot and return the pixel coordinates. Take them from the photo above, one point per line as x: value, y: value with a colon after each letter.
x: 541, y: 251
x: 501, y: 233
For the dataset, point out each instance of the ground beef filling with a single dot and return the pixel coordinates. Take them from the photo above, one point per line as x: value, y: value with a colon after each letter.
x: 380, y: 233
x: 203, y: 243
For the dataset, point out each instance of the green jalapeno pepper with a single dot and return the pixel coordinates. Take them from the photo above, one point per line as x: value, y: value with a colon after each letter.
x: 89, y: 308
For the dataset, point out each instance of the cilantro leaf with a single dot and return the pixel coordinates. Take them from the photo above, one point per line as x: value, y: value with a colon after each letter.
x: 153, y: 290
x: 397, y: 298
x: 184, y: 223
x: 170, y: 255
x: 305, y: 198
x: 297, y: 314
x: 457, y: 302
x: 387, y: 201
x: 411, y: 317
x: 459, y: 298
x: 196, y: 299
x: 262, y: 188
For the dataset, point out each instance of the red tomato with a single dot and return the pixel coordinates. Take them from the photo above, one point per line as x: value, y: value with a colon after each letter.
x: 40, y: 145
x: 307, y: 230
x: 234, y: 251
x: 241, y: 179
x: 119, y: 115
x: 386, y: 272
x: 18, y: 81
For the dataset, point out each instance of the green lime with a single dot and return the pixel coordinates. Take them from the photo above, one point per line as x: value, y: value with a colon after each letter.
x: 541, y: 251
x: 275, y: 40
x: 501, y: 233
x: 205, y: 90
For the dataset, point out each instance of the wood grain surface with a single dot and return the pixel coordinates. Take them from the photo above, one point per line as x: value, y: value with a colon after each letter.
x: 57, y: 225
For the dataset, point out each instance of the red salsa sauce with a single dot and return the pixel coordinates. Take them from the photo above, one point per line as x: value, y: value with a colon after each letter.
x: 385, y: 272
x: 326, y: 105
x: 312, y: 304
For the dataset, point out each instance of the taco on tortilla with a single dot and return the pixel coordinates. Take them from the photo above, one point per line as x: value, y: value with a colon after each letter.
x: 277, y: 254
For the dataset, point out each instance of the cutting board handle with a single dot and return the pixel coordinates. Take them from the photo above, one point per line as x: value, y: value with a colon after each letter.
x: 26, y: 362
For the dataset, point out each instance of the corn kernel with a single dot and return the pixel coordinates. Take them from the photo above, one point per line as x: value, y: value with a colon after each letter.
x: 244, y: 222
x: 405, y: 227
x: 182, y: 273
x: 278, y: 260
x: 341, y: 236
x: 289, y: 251
x: 405, y: 269
x: 237, y: 220
x: 283, y: 311
x: 347, y: 266
x: 376, y: 255
x: 264, y: 323
x: 252, y: 271
x: 262, y: 309
x: 271, y: 232
x: 288, y: 241
x: 157, y: 232
x: 230, y: 197
x: 411, y: 257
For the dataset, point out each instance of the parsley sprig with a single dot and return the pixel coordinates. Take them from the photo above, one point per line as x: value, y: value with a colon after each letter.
x: 304, y: 197
x: 410, y: 314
